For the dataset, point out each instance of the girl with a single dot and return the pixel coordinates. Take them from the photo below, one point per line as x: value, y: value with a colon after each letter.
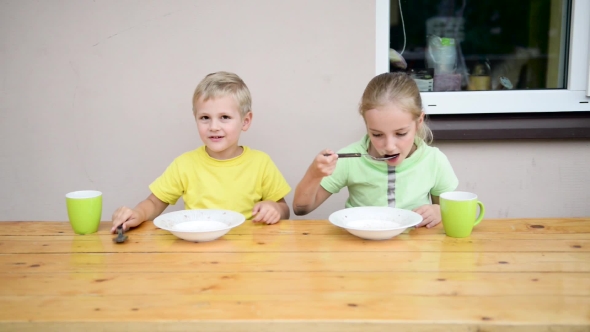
x: 412, y: 177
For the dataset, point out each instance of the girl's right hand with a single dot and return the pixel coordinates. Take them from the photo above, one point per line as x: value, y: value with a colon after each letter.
x: 127, y: 217
x: 324, y: 163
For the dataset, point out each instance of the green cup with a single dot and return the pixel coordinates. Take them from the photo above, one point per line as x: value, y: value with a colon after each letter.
x: 84, y: 210
x: 459, y: 212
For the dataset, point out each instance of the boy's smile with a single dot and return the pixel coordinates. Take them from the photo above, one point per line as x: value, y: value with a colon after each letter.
x: 220, y: 123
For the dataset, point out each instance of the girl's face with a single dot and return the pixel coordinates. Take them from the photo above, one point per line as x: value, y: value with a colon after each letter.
x: 220, y: 124
x: 392, y: 131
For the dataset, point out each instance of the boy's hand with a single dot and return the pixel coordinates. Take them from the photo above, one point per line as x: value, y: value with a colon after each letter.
x: 267, y: 212
x: 323, y: 164
x: 126, y: 216
x: 430, y: 215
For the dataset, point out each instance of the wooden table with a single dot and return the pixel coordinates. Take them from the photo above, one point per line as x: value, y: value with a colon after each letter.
x: 301, y: 275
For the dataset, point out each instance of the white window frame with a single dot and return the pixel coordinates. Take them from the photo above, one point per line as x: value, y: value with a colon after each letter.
x: 573, y: 99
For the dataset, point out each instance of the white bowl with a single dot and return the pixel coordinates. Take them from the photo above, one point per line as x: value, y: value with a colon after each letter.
x: 199, y: 225
x: 375, y: 222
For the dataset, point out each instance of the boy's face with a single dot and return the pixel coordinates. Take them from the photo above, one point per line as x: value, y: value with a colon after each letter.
x: 220, y: 124
x: 392, y: 132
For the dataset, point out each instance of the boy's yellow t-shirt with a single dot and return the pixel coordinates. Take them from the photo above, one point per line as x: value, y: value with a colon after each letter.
x: 235, y: 184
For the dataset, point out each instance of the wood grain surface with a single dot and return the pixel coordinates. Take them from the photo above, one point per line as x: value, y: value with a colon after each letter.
x: 298, y: 275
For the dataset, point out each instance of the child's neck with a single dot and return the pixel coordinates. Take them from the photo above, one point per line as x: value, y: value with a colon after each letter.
x: 414, y: 148
x: 226, y: 154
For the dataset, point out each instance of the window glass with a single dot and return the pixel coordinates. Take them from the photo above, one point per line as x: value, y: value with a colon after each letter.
x: 481, y: 45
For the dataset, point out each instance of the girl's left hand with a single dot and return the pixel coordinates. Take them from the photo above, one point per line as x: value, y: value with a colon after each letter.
x: 430, y: 215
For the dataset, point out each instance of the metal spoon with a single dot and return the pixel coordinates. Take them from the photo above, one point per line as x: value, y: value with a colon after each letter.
x: 120, y: 237
x: 353, y: 155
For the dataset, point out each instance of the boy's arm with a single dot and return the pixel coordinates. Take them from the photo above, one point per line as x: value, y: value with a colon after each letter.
x: 270, y: 212
x: 151, y: 207
x: 147, y: 209
x: 285, y: 213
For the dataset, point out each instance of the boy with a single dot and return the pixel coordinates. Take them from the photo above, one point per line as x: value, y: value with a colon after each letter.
x: 220, y: 174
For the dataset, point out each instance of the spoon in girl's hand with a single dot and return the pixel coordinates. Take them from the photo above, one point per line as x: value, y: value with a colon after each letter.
x: 354, y: 155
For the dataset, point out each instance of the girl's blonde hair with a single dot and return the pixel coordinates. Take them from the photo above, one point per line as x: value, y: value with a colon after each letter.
x: 396, y: 88
x: 222, y: 84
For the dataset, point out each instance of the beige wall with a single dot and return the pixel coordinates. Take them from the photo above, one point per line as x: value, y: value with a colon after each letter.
x: 96, y: 95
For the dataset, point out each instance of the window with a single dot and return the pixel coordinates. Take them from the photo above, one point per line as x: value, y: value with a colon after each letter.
x: 493, y: 60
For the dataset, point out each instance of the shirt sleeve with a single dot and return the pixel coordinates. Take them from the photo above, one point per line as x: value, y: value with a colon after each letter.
x: 338, y: 179
x: 168, y: 187
x: 274, y: 185
x: 446, y: 180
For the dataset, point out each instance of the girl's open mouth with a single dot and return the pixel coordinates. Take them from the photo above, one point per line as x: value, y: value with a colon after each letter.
x: 391, y: 158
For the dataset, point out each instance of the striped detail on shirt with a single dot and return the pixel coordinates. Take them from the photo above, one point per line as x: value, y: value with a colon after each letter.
x: 390, y: 186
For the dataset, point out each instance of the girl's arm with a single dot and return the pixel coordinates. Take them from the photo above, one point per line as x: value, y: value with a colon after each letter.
x: 309, y: 194
x: 430, y: 213
x: 435, y: 199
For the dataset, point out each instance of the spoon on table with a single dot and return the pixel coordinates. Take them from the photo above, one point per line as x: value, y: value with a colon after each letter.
x: 354, y: 155
x: 120, y: 237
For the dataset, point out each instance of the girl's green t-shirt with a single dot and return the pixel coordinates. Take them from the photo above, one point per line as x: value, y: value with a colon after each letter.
x: 407, y: 186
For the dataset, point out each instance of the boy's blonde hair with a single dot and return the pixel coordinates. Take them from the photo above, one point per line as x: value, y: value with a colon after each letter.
x: 222, y: 84
x: 395, y: 88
